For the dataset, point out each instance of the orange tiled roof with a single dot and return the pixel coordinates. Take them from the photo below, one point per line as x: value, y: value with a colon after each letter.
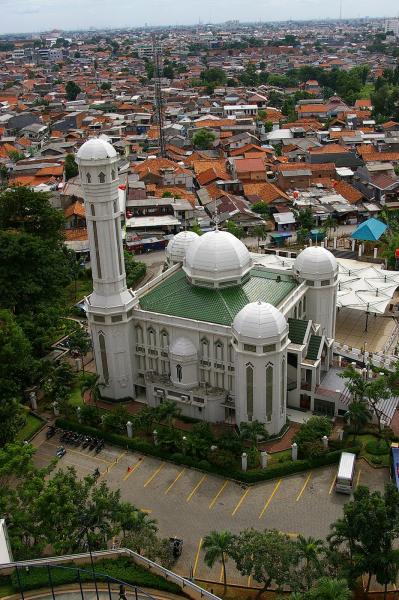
x: 268, y: 192
x: 350, y: 193
x: 329, y: 149
x: 76, y: 235
x: 56, y: 171
x: 381, y: 156
x: 77, y: 208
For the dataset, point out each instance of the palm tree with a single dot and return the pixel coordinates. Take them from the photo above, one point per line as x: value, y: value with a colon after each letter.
x: 217, y: 545
x: 252, y: 431
x: 260, y: 232
x: 358, y: 415
x: 309, y: 550
x: 331, y: 589
x: 167, y: 411
x: 91, y: 383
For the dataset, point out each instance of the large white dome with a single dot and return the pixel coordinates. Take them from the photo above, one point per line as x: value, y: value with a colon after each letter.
x: 217, y: 258
x: 316, y: 263
x: 177, y: 247
x: 259, y: 321
x: 182, y: 347
x: 96, y: 149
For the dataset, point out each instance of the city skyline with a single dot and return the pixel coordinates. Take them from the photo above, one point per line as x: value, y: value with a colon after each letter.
x: 25, y: 16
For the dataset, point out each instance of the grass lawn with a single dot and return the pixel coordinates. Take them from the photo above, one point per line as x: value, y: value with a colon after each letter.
x: 276, y: 458
x: 32, y: 425
x: 75, y: 398
x: 6, y: 588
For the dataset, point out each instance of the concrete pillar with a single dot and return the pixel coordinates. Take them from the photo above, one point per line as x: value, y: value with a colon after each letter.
x: 56, y: 409
x: 155, y: 437
x: 359, y: 252
x: 353, y: 245
x: 341, y: 435
x: 335, y: 242
x: 244, y: 461
x: 324, y: 439
x: 294, y: 451
x: 263, y: 459
x: 79, y: 414
x: 375, y: 252
x: 33, y: 400
x: 339, y: 360
x: 129, y: 429
x: 78, y: 364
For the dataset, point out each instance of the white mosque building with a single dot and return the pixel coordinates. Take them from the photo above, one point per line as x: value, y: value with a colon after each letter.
x: 225, y: 338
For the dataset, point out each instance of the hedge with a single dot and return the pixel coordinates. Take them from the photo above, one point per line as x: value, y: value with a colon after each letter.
x: 122, y: 568
x: 271, y: 472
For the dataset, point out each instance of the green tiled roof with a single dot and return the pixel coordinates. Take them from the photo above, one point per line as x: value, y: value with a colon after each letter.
x: 314, y: 346
x: 297, y: 330
x: 177, y: 297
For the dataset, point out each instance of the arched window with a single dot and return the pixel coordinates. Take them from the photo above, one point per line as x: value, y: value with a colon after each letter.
x: 269, y: 392
x: 219, y: 351
x: 103, y: 357
x: 164, y: 339
x: 101, y: 177
x: 113, y: 174
x: 151, y: 336
x: 139, y: 334
x: 179, y: 373
x: 283, y: 382
x: 250, y: 391
x: 88, y: 177
x: 92, y: 210
x: 205, y: 348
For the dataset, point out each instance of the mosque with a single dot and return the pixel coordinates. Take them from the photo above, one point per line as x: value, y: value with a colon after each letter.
x: 227, y: 339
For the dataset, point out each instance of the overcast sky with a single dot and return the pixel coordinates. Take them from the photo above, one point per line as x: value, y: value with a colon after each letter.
x: 40, y: 15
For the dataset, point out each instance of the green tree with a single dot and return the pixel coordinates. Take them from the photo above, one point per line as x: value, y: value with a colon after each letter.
x: 309, y: 552
x: 72, y: 90
x: 80, y: 343
x: 358, y: 415
x: 35, y: 265
x: 327, y: 588
x: 203, y: 139
x: 91, y: 383
x: 235, y: 229
x: 116, y: 419
x: 260, y: 232
x: 268, y: 556
x: 135, y: 270
x: 214, y: 76
x: 217, y: 546
x: 70, y: 167
x: 253, y: 432
x: 305, y: 218
x: 261, y: 208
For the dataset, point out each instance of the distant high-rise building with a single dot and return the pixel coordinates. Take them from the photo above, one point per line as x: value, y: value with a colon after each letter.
x: 393, y: 26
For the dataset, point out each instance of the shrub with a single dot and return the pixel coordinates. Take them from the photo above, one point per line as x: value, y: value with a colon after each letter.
x: 122, y: 568
x: 377, y: 447
x: 204, y: 465
x: 253, y: 458
x: 222, y: 458
x: 314, y: 429
x: 376, y: 460
x: 89, y: 415
x: 312, y: 449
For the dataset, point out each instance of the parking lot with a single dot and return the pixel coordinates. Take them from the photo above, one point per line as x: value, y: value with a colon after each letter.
x: 188, y: 503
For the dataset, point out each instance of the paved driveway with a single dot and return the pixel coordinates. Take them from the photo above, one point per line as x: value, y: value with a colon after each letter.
x: 188, y: 503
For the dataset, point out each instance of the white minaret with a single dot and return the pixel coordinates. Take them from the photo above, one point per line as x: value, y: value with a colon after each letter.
x: 319, y: 269
x: 111, y: 303
x: 260, y: 340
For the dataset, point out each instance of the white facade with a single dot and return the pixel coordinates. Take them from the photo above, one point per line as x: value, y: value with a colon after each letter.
x: 245, y: 369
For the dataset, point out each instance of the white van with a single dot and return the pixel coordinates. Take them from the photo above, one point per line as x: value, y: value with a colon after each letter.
x: 344, y: 481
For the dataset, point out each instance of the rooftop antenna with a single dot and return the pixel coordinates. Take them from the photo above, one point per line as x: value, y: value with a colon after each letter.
x: 157, y: 54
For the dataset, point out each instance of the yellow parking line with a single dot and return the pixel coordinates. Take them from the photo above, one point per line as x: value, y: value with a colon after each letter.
x: 358, y: 477
x: 241, y: 500
x: 111, y: 466
x: 197, y: 557
x: 332, y: 485
x: 155, y: 473
x: 174, y: 481
x: 134, y: 468
x: 196, y: 488
x: 249, y: 581
x: 270, y: 498
x: 147, y: 511
x: 107, y: 462
x: 304, y: 486
x: 212, y: 504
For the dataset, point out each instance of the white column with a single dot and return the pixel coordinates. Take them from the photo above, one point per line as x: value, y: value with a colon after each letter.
x: 263, y: 459
x: 129, y: 429
x: 294, y: 452
x: 244, y: 461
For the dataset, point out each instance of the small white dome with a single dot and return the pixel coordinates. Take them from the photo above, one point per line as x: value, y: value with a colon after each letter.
x: 216, y: 257
x: 177, y: 247
x: 259, y: 321
x: 183, y: 348
x: 316, y: 263
x: 96, y: 149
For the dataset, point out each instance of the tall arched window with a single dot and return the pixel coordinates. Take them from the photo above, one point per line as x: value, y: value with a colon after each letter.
x: 269, y: 392
x: 103, y: 356
x: 101, y: 177
x: 139, y: 334
x: 151, y: 337
x: 283, y: 383
x: 205, y: 348
x: 250, y: 391
x: 88, y: 177
x: 219, y: 351
x: 164, y: 339
x: 113, y: 174
x: 179, y: 373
